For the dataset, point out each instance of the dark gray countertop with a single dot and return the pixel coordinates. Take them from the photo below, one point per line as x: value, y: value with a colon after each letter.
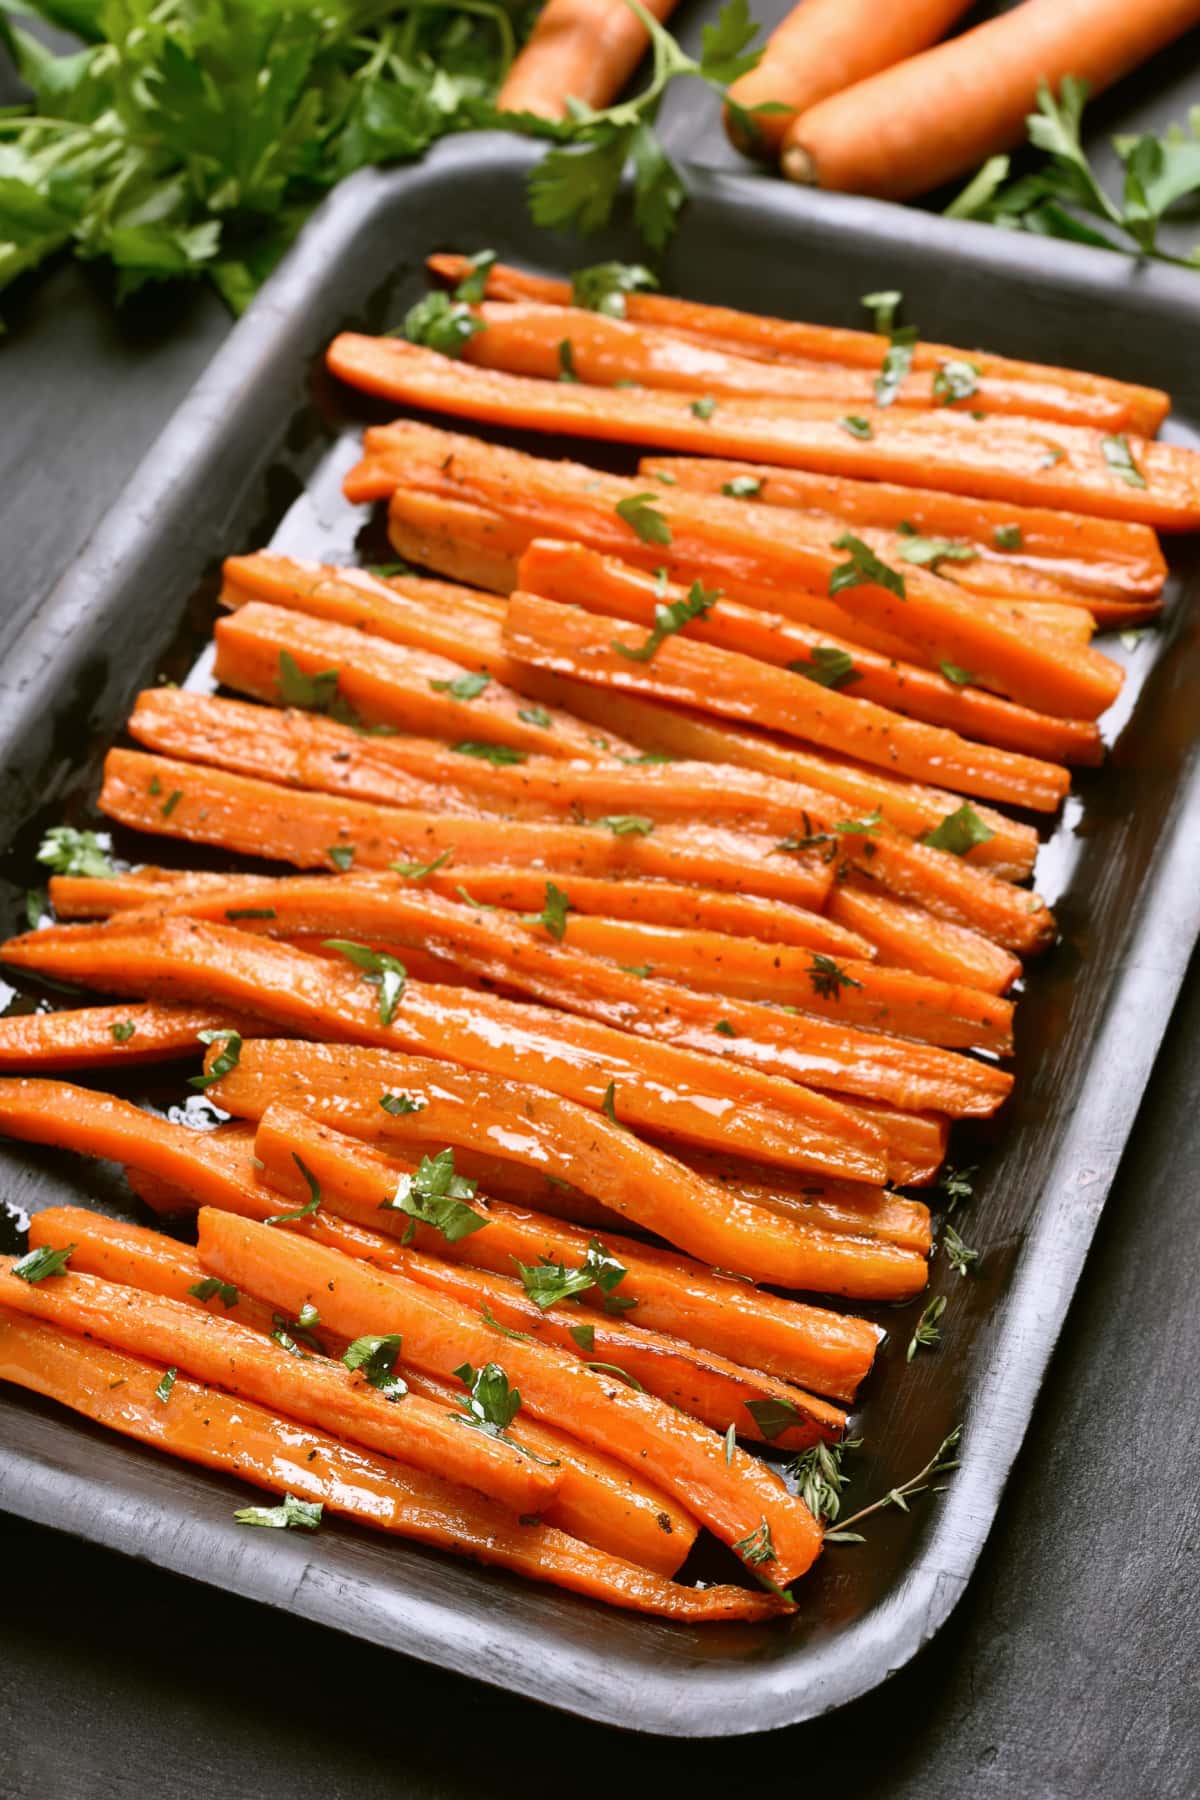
x: 1068, y: 1669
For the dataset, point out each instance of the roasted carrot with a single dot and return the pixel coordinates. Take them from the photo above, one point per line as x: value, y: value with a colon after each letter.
x: 741, y: 687
x: 94, y: 1036
x: 1110, y: 567
x: 826, y: 1351
x: 464, y: 541
x: 1000, y: 458
x: 667, y: 1091
x: 905, y: 1004
x: 516, y: 890
x: 832, y: 1205
x: 908, y: 937
x: 382, y: 682
x: 341, y: 1087
x: 311, y: 1389
x: 597, y: 1500
x: 926, y: 120
x: 786, y: 340
x: 313, y: 830
x: 575, y: 575
x: 584, y: 50
x: 731, y: 1492
x: 239, y: 1438
x: 821, y: 47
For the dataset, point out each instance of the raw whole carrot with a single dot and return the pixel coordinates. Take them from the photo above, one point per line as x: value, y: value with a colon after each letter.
x: 383, y: 682
x: 902, y: 1003
x: 527, y: 339
x: 740, y: 687
x: 597, y: 1500
x: 96, y: 1036
x: 575, y: 575
x: 584, y: 50
x: 310, y: 1389
x: 312, y: 830
x: 788, y: 340
x: 826, y: 1351
x: 998, y: 458
x: 516, y: 890
x: 730, y: 1492
x: 667, y: 1091
x: 821, y: 47
x: 908, y: 937
x: 341, y: 1087
x: 238, y: 1438
x: 834, y: 1205
x: 909, y: 128
x: 1099, y: 563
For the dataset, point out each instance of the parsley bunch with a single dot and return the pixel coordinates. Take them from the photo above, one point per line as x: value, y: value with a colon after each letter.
x: 1059, y: 198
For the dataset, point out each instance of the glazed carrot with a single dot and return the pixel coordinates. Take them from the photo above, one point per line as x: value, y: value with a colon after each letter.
x: 464, y: 541
x: 1017, y: 550
x: 741, y: 687
x: 597, y: 1500
x: 833, y: 1205
x: 575, y: 575
x: 132, y: 1256
x: 516, y: 890
x: 908, y: 937
x: 313, y: 1390
x: 238, y: 1438
x: 208, y: 1164
x: 95, y: 1036
x: 312, y: 830
x: 826, y: 1351
x: 583, y: 50
x: 527, y: 339
x: 341, y: 1088
x: 1000, y: 458
x: 730, y: 1492
x: 821, y: 47
x: 382, y: 682
x: 787, y: 340
x: 908, y: 1005
x: 935, y: 116
x: 912, y: 808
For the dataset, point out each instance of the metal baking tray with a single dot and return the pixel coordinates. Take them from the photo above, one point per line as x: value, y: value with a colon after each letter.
x: 255, y: 455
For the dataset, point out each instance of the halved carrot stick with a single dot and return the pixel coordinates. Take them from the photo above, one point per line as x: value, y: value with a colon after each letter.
x: 342, y: 1088
x: 833, y: 1205
x: 527, y: 339
x: 740, y: 687
x: 95, y: 1036
x: 998, y: 458
x: 667, y: 1090
x: 310, y: 1389
x: 583, y: 50
x: 575, y: 575
x: 597, y: 1500
x: 730, y: 1491
x: 905, y: 1004
x: 384, y: 682
x: 1017, y: 549
x: 457, y: 538
x: 854, y: 142
x: 312, y: 830
x: 821, y: 47
x: 808, y: 1345
x: 757, y: 334
x: 203, y: 1425
x: 516, y: 890
x: 909, y: 937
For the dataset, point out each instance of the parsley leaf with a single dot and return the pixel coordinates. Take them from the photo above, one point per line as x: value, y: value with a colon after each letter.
x: 434, y: 1195
x: 379, y: 969
x: 226, y: 1059
x: 71, y: 852
x: 439, y: 323
x: 704, y: 407
x: 637, y: 511
x: 36, y: 1265
x: 163, y: 1390
x: 1008, y: 537
x: 122, y: 1030
x: 292, y: 1515
x: 959, y: 677
x: 857, y: 427
x: 535, y: 715
x: 375, y: 1359
x: 310, y: 1205
x: 955, y: 380
x: 883, y: 307
x: 503, y: 756
x: 743, y: 487
x: 668, y: 619
x: 491, y: 1404
x: 828, y: 979
x: 1119, y: 457
x: 463, y: 687
x: 602, y: 287
x: 927, y: 553
x: 959, y: 831
x: 400, y: 1104
x: 554, y: 913
x: 208, y: 1285
x: 627, y: 825
x: 827, y: 666
x: 418, y: 871
x: 473, y: 285
x: 863, y: 566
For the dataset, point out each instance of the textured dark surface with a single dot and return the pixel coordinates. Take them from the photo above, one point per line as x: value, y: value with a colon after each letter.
x: 1066, y: 1671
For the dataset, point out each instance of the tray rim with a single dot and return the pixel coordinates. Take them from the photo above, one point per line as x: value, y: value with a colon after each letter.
x: 1145, y: 988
